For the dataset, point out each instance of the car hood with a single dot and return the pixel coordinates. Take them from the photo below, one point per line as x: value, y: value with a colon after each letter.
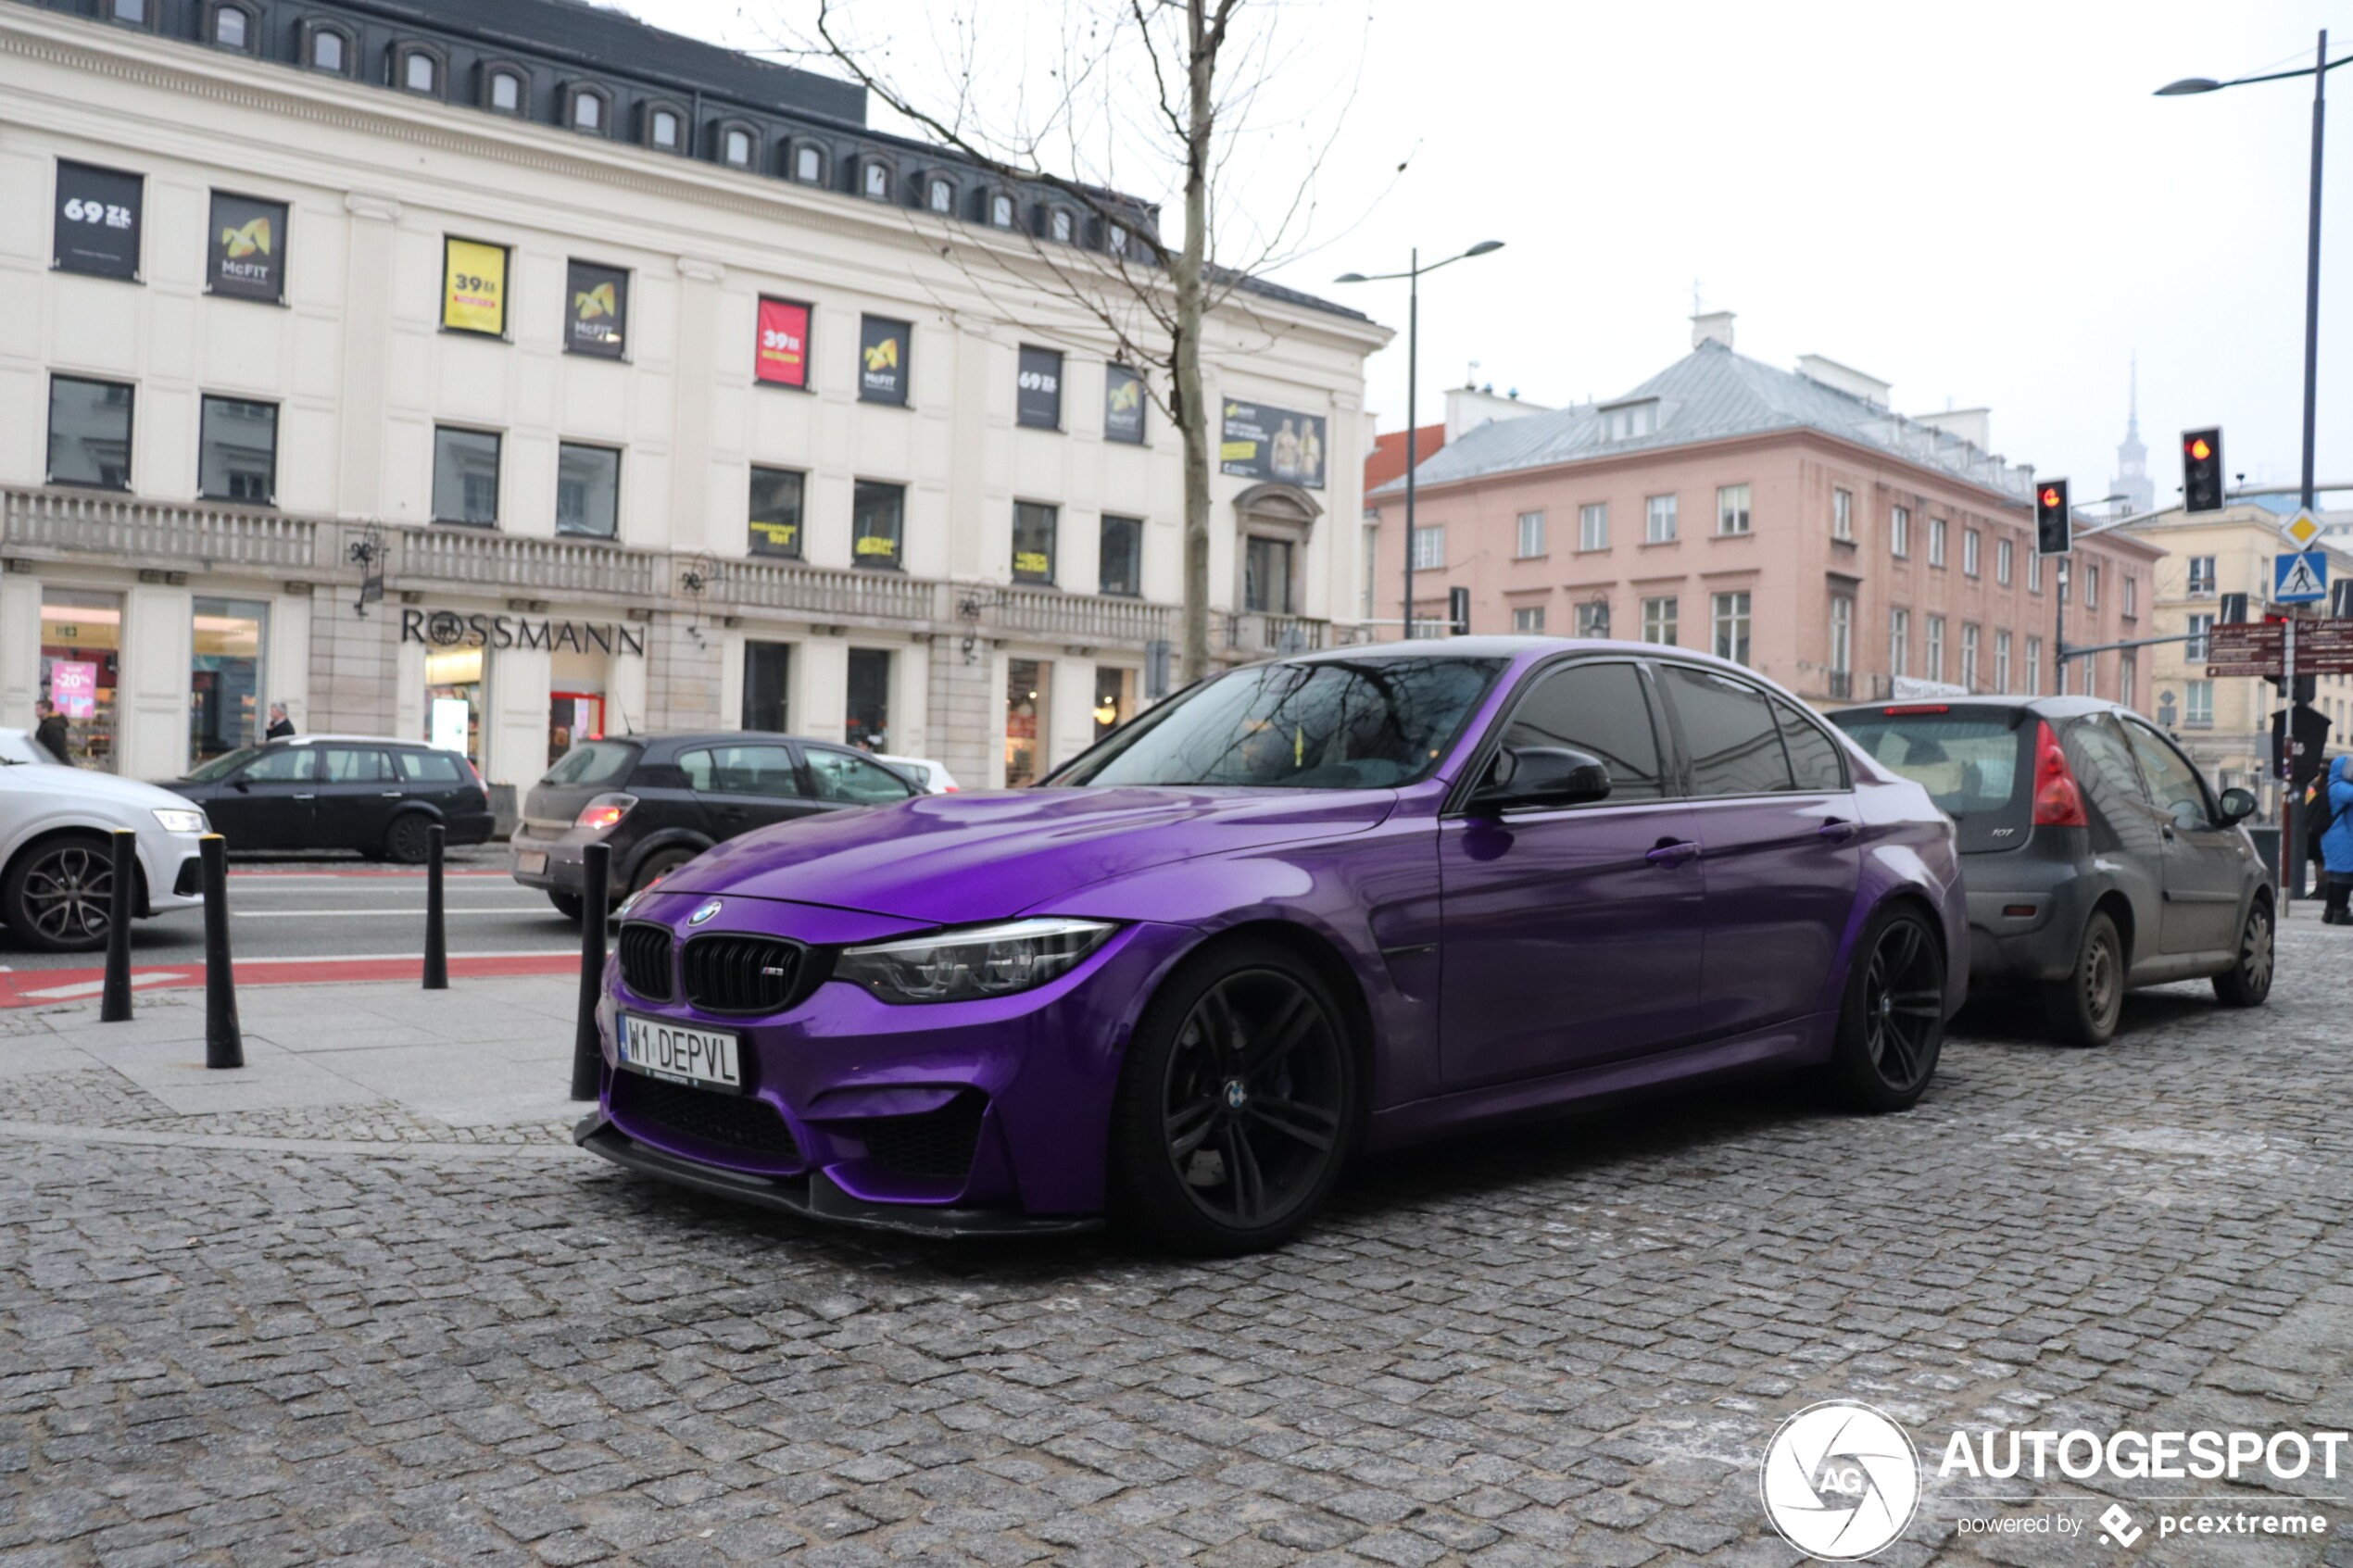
x: 101, y: 791
x: 951, y: 858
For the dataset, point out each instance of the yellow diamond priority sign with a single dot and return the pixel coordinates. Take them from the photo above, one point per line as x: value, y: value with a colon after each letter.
x: 2301, y: 528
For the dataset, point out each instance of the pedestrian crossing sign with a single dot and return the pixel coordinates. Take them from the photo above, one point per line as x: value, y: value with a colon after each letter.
x: 2301, y: 578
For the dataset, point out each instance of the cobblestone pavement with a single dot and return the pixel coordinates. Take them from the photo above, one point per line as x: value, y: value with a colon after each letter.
x: 1566, y: 1345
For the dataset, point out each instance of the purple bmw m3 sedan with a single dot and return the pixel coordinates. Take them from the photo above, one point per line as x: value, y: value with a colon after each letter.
x: 1301, y: 912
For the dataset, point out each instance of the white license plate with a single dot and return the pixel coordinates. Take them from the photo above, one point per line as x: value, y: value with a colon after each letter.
x: 661, y: 1049
x: 532, y: 860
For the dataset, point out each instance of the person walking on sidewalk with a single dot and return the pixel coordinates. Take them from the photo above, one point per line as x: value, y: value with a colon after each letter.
x: 51, y: 732
x: 278, y: 723
x: 2336, y: 842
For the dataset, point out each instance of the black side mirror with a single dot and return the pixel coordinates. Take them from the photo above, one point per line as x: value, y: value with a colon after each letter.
x: 1541, y: 775
x: 2237, y: 806
x: 242, y: 784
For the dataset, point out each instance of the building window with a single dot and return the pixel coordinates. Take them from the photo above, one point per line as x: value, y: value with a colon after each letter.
x: 237, y: 451
x: 2201, y: 577
x: 1842, y: 645
x: 95, y: 222
x: 1936, y: 541
x: 1658, y: 620
x: 1114, y: 697
x: 1592, y: 619
x: 1060, y: 226
x: 809, y: 164
x: 1115, y: 240
x: 1034, y: 530
x: 90, y: 433
x: 326, y: 48
x: 867, y: 714
x: 1843, y: 514
x: 1120, y: 557
x: 874, y: 179
x: 662, y: 130
x: 736, y: 148
x: 465, y: 477
x: 1000, y: 210
x: 1969, y: 655
x: 1731, y: 508
x: 939, y: 196
x: 587, y: 490
x: 1028, y: 698
x: 877, y: 524
x: 502, y: 91
x: 2033, y: 687
x: 228, y: 642
x: 1528, y: 620
x: 1968, y: 552
x: 2194, y: 651
x: 596, y: 314
x: 1730, y: 617
x: 767, y: 688
x: 1899, y: 643
x: 1593, y: 526
x: 1899, y: 531
x: 130, y: 13
x: 2003, y: 550
x: 417, y: 69
x: 1429, y: 548
x: 1935, y: 650
x: 81, y: 642
x: 2091, y: 585
x: 775, y: 512
x: 2128, y: 674
x: 1633, y: 419
x: 2198, y: 705
x: 233, y: 28
x: 585, y: 109
x: 1659, y: 519
x: 1532, y: 534
x: 1267, y: 576
x: 2034, y: 571
x: 2002, y: 662
x: 1037, y: 388
x: 2131, y: 606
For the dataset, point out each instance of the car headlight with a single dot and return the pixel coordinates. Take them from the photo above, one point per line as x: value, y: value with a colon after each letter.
x: 980, y: 960
x: 180, y: 821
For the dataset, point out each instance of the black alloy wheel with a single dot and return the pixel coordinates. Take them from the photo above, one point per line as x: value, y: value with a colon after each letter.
x: 60, y: 897
x: 2247, y: 982
x: 1237, y: 1106
x: 1890, y: 1029
x: 407, y: 842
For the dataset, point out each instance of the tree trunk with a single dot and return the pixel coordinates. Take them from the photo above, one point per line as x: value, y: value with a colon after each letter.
x: 1194, y: 413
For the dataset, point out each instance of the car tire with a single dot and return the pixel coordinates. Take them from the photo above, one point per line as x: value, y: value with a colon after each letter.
x: 2084, y: 1008
x: 2247, y: 982
x: 407, y: 842
x: 58, y: 896
x: 1222, y: 1144
x: 660, y: 862
x: 571, y: 905
x: 1891, y: 1018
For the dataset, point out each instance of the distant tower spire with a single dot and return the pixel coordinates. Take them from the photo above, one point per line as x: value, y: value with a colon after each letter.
x: 2132, y: 480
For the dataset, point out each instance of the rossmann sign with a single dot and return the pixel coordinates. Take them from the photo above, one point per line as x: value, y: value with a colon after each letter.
x: 447, y: 629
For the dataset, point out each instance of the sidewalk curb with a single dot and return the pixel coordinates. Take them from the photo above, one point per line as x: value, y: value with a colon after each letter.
x: 41, y: 1132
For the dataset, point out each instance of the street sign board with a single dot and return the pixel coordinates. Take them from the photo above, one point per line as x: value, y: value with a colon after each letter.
x: 2300, y: 578
x: 2322, y: 647
x: 2300, y: 528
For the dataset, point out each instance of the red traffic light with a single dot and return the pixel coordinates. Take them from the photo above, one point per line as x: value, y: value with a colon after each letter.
x: 2199, y: 449
x: 2050, y: 495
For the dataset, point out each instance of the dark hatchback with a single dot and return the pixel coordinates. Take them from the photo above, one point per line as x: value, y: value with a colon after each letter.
x: 2096, y: 857
x: 363, y: 793
x: 658, y: 801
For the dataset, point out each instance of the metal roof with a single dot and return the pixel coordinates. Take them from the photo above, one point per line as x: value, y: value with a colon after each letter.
x: 1713, y: 394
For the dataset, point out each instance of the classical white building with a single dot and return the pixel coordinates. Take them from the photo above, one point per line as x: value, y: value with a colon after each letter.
x: 507, y: 371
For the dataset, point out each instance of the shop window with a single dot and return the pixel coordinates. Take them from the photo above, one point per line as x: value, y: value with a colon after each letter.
x: 90, y: 433
x: 326, y: 47
x: 233, y: 26
x: 1028, y: 698
x: 80, y: 657
x: 775, y: 512
x: 1122, y: 558
x: 226, y: 708
x: 465, y: 477
x: 877, y: 524
x: 866, y: 721
x: 1267, y: 576
x: 573, y: 718
x: 768, y: 686
x: 587, y: 490
x: 1034, y: 529
x: 455, y: 692
x: 237, y: 451
x: 1114, y: 697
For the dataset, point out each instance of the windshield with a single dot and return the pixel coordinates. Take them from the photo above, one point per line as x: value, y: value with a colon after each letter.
x: 592, y: 762
x: 223, y: 765
x: 1369, y: 723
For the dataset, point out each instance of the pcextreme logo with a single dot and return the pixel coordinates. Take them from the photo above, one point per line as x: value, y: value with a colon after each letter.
x: 1841, y: 1480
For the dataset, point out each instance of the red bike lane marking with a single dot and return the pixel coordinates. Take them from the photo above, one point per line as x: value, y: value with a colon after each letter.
x: 49, y: 987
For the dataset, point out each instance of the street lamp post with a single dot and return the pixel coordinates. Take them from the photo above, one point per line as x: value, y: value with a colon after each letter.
x: 1413, y: 276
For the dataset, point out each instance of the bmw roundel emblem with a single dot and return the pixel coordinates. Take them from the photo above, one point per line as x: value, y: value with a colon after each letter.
x: 703, y: 912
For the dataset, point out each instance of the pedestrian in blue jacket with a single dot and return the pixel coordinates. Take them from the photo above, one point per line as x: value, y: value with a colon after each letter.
x: 2337, y: 844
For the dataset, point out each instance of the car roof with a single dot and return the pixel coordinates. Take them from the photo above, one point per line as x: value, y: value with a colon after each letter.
x: 2044, y: 707
x: 671, y: 744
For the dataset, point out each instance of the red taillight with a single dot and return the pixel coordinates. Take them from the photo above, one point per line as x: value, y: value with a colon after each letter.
x: 479, y: 783
x: 948, y: 789
x: 2058, y: 802
x: 1920, y: 708
x: 604, y: 811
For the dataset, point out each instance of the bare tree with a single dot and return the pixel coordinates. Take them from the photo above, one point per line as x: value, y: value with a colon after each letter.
x: 1205, y: 109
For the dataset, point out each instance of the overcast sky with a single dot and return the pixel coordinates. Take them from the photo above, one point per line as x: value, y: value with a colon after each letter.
x: 1983, y: 204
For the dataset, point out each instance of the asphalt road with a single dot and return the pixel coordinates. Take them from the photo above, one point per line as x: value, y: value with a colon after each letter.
x: 329, y: 905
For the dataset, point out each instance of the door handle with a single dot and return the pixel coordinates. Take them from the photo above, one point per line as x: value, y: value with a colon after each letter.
x: 306, y: 797
x: 1671, y: 852
x: 388, y: 795
x: 1836, y: 831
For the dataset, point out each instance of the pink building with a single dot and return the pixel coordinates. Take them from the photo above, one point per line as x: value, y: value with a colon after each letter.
x: 1789, y: 519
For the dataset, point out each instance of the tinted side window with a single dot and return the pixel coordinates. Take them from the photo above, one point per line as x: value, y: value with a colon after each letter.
x: 288, y: 764
x: 2173, y: 782
x: 2096, y: 750
x: 340, y: 765
x: 427, y: 767
x: 1813, y: 755
x: 1598, y: 708
x: 845, y: 777
x: 1736, y: 745
x: 744, y: 769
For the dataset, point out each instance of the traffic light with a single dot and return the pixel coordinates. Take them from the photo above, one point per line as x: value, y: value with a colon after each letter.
x: 2202, y: 470
x: 2054, y: 524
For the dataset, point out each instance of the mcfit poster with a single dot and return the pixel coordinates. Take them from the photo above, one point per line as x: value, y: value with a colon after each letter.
x: 883, y: 359
x: 781, y: 357
x: 1123, y: 404
x: 248, y: 260
x: 473, y: 290
x: 1262, y: 443
x: 597, y: 318
x: 97, y: 220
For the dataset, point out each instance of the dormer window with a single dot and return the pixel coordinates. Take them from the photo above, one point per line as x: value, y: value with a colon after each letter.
x: 586, y: 109
x: 1060, y: 226
x: 326, y: 48
x: 809, y: 164
x: 874, y: 179
x: 1626, y: 421
x: 131, y: 13
x: 503, y: 88
x: 233, y: 28
x: 1115, y: 240
x: 939, y: 196
x: 1000, y: 210
x: 734, y: 148
x: 417, y: 67
x: 661, y: 130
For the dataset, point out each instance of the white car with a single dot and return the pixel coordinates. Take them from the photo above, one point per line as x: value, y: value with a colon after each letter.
x: 932, y: 777
x: 56, y: 857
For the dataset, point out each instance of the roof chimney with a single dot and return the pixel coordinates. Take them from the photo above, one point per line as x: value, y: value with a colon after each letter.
x: 1713, y: 326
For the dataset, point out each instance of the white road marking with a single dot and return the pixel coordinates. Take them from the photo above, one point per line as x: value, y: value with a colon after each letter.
x: 404, y: 909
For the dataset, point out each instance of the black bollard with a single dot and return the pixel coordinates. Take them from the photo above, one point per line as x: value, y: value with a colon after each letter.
x: 225, y: 1042
x: 114, y: 1005
x: 588, y: 1052
x: 436, y: 945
